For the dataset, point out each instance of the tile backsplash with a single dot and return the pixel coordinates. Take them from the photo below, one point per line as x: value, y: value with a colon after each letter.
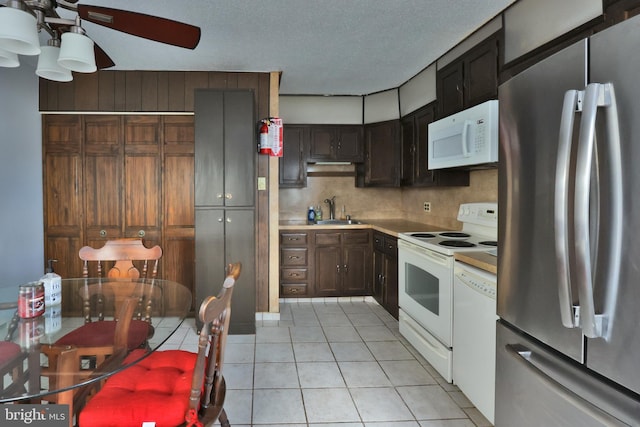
x: 388, y: 203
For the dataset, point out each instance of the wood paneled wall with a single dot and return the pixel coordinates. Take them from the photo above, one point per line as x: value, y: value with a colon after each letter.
x: 168, y: 92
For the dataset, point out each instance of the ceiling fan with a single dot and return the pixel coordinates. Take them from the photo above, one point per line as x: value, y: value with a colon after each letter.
x: 138, y: 24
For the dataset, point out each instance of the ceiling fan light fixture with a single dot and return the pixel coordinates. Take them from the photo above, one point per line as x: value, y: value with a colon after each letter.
x: 18, y: 30
x: 48, y: 66
x: 77, y: 53
x: 8, y: 59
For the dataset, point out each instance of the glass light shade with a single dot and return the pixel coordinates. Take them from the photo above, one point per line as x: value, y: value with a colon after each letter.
x: 48, y: 67
x: 8, y: 59
x: 76, y: 53
x: 18, y: 32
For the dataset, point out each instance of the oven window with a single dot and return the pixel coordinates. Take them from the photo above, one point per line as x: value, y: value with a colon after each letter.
x: 423, y: 287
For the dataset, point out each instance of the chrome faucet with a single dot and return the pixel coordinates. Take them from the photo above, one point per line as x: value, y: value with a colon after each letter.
x: 332, y: 207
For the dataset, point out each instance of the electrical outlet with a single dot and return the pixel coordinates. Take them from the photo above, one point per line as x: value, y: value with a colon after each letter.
x: 427, y: 206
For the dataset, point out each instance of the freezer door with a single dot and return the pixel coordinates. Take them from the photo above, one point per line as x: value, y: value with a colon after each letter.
x: 530, y: 110
x: 537, y: 387
x: 615, y: 59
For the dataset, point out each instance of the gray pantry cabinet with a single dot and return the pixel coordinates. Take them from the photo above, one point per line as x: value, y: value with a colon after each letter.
x: 225, y: 168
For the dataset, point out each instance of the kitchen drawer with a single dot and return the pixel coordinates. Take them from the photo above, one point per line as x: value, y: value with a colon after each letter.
x: 293, y: 289
x: 357, y: 237
x: 293, y: 256
x: 293, y: 239
x: 390, y: 246
x: 328, y: 239
x: 294, y: 274
x: 378, y: 242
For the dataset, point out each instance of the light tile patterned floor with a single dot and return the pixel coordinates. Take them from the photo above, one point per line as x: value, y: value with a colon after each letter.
x: 333, y: 364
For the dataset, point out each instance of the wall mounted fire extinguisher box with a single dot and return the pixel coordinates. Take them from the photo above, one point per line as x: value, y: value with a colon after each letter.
x: 270, y: 134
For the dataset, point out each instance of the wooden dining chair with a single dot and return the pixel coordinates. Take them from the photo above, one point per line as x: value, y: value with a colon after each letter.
x: 172, y: 387
x: 13, y: 372
x: 122, y: 253
x: 117, y: 333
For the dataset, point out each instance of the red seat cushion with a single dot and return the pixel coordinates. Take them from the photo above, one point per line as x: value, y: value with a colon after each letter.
x: 155, y: 389
x: 101, y: 333
x: 8, y: 352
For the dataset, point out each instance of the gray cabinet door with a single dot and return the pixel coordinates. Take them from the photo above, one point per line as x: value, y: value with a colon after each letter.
x: 225, y: 148
x: 225, y: 168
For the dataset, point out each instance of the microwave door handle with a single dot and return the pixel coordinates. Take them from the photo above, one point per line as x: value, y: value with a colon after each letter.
x: 561, y: 217
x: 465, y: 134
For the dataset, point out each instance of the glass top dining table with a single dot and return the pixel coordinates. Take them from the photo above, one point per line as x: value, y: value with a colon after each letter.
x: 28, y: 342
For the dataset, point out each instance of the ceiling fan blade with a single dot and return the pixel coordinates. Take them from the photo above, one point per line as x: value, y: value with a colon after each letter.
x: 146, y: 26
x: 102, y: 59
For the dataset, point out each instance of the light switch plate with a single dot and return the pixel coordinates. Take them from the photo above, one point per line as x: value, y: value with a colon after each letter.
x: 262, y: 183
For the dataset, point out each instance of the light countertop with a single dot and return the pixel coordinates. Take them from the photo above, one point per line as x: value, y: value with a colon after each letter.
x: 481, y: 260
x: 388, y: 226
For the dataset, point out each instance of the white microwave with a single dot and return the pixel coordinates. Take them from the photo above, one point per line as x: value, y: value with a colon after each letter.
x: 467, y: 138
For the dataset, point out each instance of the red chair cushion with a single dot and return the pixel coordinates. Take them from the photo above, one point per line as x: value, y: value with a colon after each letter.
x: 8, y: 352
x: 101, y: 333
x: 155, y: 389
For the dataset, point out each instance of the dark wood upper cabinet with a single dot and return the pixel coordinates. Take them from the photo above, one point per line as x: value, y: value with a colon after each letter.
x: 450, y: 88
x: 381, y: 167
x: 335, y: 143
x: 470, y: 79
x: 293, y: 163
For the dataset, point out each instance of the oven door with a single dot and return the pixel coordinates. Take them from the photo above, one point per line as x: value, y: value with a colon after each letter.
x: 425, y: 282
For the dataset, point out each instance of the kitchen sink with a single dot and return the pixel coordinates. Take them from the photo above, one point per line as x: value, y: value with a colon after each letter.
x: 338, y: 222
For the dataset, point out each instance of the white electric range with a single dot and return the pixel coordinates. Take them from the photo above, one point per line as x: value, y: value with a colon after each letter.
x: 426, y: 273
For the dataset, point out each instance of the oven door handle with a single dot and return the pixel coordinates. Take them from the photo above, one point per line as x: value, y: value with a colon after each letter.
x: 421, y: 252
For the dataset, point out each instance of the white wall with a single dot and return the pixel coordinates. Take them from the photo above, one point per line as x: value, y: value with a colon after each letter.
x: 529, y: 24
x: 21, y: 219
x: 381, y: 106
x: 418, y: 91
x: 321, y: 109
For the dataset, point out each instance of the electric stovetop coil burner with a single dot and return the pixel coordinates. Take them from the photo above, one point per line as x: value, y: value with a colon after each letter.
x: 479, y: 231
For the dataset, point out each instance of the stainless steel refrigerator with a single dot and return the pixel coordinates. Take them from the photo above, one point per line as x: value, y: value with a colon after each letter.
x: 568, y: 338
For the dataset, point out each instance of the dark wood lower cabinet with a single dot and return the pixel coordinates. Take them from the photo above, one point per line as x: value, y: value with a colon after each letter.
x: 327, y: 263
x: 385, y: 271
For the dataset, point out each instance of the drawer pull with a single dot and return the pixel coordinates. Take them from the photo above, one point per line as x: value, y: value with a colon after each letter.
x: 293, y: 274
x: 294, y: 257
x: 293, y: 239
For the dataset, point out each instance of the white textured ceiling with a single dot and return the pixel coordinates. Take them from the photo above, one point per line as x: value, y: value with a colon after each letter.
x: 322, y: 47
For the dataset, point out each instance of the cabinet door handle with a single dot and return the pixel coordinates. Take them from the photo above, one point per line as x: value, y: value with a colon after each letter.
x: 228, y: 196
x: 219, y: 195
x: 338, y: 268
x: 141, y: 233
x: 220, y: 219
x: 346, y: 269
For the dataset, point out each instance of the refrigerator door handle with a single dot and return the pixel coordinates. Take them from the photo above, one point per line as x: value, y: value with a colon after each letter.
x: 561, y: 209
x: 596, y: 95
x: 538, y: 365
x: 614, y: 158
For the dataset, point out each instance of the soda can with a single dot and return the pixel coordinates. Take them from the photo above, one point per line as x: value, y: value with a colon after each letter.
x: 31, y: 300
